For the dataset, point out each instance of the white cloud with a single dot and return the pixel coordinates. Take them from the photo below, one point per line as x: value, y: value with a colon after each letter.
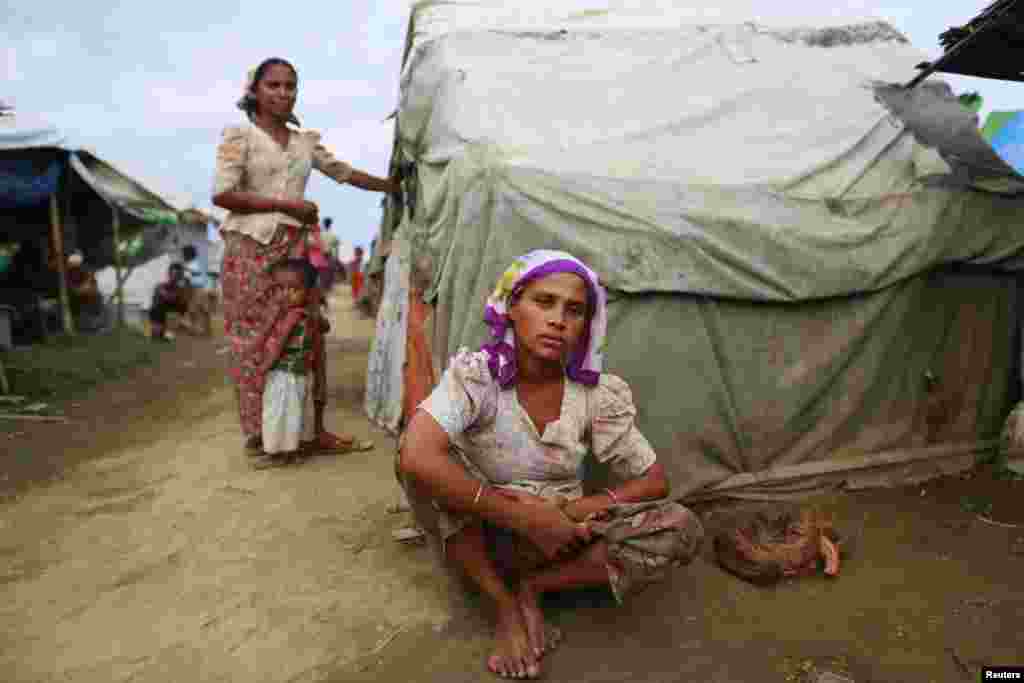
x: 322, y: 92
x: 365, y: 144
x: 9, y: 65
x: 894, y: 15
x: 190, y: 99
x: 42, y: 47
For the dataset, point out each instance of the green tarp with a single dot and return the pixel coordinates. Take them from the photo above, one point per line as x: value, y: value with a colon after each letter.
x: 805, y: 287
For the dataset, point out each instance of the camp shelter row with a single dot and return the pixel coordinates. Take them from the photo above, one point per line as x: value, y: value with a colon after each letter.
x: 813, y: 271
x: 55, y: 199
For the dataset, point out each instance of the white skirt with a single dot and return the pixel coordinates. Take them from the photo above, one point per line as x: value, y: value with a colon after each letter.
x: 288, y: 416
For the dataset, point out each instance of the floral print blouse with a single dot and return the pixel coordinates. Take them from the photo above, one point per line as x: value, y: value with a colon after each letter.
x: 497, y: 441
x: 250, y: 160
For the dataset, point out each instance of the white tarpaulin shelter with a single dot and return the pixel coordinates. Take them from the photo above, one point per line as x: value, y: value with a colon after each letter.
x: 776, y: 225
x: 138, y: 288
x: 27, y: 131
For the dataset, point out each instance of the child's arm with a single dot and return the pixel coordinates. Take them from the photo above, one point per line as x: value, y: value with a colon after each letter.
x: 278, y: 337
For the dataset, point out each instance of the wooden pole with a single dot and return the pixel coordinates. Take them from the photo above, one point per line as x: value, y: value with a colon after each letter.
x: 58, y: 245
x: 119, y: 291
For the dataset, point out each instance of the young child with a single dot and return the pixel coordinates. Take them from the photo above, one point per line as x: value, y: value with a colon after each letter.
x: 289, y: 367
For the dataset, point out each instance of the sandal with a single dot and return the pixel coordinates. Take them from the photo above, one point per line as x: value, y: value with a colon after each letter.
x: 254, y: 447
x: 338, y: 446
x: 410, y: 534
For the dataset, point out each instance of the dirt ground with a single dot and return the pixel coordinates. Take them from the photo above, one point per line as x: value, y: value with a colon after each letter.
x: 137, y: 545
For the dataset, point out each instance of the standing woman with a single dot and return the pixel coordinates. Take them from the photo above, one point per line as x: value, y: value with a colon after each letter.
x: 262, y: 171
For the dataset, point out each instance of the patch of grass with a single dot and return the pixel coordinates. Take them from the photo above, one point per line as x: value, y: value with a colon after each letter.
x: 976, y: 505
x: 66, y: 367
x: 998, y: 461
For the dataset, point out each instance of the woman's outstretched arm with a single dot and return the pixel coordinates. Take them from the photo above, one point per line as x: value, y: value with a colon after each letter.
x: 425, y: 459
x: 332, y: 167
x: 365, y: 181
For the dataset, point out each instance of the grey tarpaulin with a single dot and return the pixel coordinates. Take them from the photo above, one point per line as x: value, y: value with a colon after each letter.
x: 795, y: 299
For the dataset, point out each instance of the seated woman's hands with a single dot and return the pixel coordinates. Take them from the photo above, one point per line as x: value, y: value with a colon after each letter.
x: 587, y: 508
x: 547, y: 526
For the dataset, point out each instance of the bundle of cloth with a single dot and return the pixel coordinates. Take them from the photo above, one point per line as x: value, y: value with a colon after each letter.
x: 767, y: 545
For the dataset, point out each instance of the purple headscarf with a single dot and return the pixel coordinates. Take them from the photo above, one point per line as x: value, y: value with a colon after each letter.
x: 586, y: 360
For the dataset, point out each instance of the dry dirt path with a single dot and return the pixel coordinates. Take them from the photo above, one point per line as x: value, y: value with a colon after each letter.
x: 137, y: 545
x: 161, y: 556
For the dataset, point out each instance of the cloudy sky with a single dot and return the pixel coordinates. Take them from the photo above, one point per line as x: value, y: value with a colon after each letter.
x: 149, y: 86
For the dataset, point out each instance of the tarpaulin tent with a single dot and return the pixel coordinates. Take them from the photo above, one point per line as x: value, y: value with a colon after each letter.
x: 33, y: 164
x: 84, y: 200
x: 807, y: 285
x: 1004, y: 130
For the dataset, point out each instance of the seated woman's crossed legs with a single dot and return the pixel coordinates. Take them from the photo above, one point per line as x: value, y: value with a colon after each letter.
x: 634, y: 546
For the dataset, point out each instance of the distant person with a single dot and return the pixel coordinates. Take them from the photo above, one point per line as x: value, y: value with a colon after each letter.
x: 199, y: 297
x: 84, y: 294
x: 194, y: 270
x: 262, y: 171
x: 289, y: 367
x: 168, y: 296
x: 321, y: 258
x: 355, y: 269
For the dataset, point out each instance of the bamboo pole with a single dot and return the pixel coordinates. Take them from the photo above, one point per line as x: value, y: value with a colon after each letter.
x: 58, y: 245
x: 119, y: 291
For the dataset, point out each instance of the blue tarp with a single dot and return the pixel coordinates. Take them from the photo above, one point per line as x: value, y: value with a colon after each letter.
x: 26, y: 182
x: 1008, y: 141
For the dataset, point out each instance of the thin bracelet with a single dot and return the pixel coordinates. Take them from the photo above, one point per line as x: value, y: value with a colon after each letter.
x: 479, y: 492
x: 611, y: 494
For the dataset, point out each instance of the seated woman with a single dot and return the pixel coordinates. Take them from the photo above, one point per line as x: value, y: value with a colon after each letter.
x: 491, y: 462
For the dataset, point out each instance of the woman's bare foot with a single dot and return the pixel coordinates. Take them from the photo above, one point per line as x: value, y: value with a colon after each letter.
x: 327, y: 440
x: 512, y: 656
x: 543, y: 637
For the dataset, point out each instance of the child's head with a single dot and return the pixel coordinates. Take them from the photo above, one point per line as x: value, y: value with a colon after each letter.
x: 296, y: 277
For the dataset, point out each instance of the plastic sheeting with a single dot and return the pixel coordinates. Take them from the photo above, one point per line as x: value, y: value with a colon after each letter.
x: 123, y: 191
x: 25, y: 131
x: 770, y: 227
x: 26, y: 182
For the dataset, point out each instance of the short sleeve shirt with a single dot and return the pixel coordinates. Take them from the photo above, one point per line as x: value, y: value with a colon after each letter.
x: 498, y: 442
x: 250, y: 160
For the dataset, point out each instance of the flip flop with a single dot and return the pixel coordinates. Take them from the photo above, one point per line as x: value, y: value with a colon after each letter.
x: 409, y: 534
x: 356, y: 446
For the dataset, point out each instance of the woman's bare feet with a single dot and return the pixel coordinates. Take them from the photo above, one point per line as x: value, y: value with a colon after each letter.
x: 512, y: 656
x: 543, y: 637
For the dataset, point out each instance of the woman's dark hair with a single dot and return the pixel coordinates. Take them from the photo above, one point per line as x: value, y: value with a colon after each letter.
x: 300, y: 267
x: 188, y: 252
x: 248, y: 102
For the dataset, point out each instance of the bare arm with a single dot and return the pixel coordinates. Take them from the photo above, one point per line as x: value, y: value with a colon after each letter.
x: 276, y: 339
x: 425, y: 459
x: 365, y: 181
x: 653, y: 484
x: 237, y: 201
